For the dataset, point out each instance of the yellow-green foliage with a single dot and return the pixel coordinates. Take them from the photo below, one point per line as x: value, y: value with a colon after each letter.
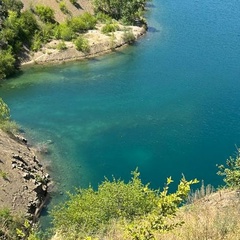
x: 142, y: 211
x: 231, y: 172
x: 4, y: 111
x: 82, y: 44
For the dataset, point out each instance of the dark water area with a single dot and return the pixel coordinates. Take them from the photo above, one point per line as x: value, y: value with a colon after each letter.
x: 170, y: 104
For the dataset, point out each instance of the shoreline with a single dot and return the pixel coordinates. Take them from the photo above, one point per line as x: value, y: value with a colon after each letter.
x: 24, y: 181
x: 99, y: 44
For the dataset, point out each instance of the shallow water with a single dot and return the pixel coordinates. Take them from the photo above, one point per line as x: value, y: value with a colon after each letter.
x: 168, y: 105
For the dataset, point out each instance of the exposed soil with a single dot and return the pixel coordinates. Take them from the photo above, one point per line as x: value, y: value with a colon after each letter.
x: 23, y: 181
x: 74, y: 10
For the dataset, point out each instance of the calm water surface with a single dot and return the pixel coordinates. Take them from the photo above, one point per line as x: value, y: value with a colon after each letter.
x: 169, y: 104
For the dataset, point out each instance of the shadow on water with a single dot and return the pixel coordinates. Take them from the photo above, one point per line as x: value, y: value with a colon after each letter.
x: 150, y: 5
x: 152, y: 29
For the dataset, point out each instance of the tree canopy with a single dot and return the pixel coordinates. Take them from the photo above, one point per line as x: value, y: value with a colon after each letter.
x: 125, y: 10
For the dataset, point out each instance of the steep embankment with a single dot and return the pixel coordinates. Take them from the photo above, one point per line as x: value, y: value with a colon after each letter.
x: 80, y: 7
x: 23, y: 183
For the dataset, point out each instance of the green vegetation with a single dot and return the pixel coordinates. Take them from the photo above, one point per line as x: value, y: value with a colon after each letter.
x: 32, y: 29
x: 63, y: 7
x: 231, y: 172
x: 15, y: 227
x: 82, y: 44
x: 74, y: 2
x: 128, y: 12
x: 45, y: 13
x: 61, y: 46
x: 141, y: 211
x: 110, y: 27
x: 4, y: 111
x: 5, y: 123
x: 4, y: 175
x: 128, y: 36
x: 82, y: 23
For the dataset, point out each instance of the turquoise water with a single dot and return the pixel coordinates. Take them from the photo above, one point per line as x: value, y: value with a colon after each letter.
x: 168, y: 105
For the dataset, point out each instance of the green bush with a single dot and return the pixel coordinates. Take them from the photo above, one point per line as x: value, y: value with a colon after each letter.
x: 231, y: 172
x: 28, y: 25
x: 7, y: 63
x: 8, y: 225
x: 73, y: 2
x: 36, y: 42
x: 82, y: 23
x: 63, y: 7
x: 103, y: 18
x: 90, y: 211
x: 110, y: 27
x: 64, y: 31
x: 61, y: 46
x: 9, y: 127
x: 130, y: 11
x: 82, y: 44
x: 45, y: 13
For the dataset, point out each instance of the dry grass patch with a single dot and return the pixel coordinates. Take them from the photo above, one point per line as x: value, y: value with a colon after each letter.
x: 214, y: 217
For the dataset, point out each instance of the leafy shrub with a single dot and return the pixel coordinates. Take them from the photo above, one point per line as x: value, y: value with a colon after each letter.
x: 36, y: 42
x: 9, y: 127
x: 231, y: 172
x: 64, y: 31
x: 63, y: 7
x: 141, y: 209
x: 9, y: 224
x: 82, y: 23
x: 82, y: 44
x: 13, y: 5
x: 125, y: 9
x: 103, y: 18
x: 110, y: 27
x: 74, y: 2
x: 28, y: 25
x: 45, y: 13
x: 4, y: 111
x: 61, y: 46
x: 128, y: 36
x: 7, y: 63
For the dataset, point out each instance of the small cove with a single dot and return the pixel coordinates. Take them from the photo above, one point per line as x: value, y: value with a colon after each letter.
x: 168, y: 105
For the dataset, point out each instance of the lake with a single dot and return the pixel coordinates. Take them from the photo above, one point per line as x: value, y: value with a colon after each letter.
x: 169, y: 104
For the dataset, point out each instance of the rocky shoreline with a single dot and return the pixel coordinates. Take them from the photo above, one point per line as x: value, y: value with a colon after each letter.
x: 24, y: 183
x: 99, y: 44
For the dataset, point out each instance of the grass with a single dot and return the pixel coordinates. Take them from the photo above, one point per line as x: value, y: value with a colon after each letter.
x: 3, y: 175
x: 213, y: 216
x: 208, y: 219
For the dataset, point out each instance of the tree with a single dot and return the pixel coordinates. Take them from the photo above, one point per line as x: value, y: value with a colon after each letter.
x: 128, y: 11
x: 45, y: 13
x: 91, y: 211
x: 13, y: 5
x: 7, y: 63
x: 4, y: 111
x: 231, y: 172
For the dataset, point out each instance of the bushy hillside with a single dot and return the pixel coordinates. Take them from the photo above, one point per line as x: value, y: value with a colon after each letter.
x: 79, y: 7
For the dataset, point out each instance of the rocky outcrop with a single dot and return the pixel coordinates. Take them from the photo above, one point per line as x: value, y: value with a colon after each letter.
x: 23, y: 182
